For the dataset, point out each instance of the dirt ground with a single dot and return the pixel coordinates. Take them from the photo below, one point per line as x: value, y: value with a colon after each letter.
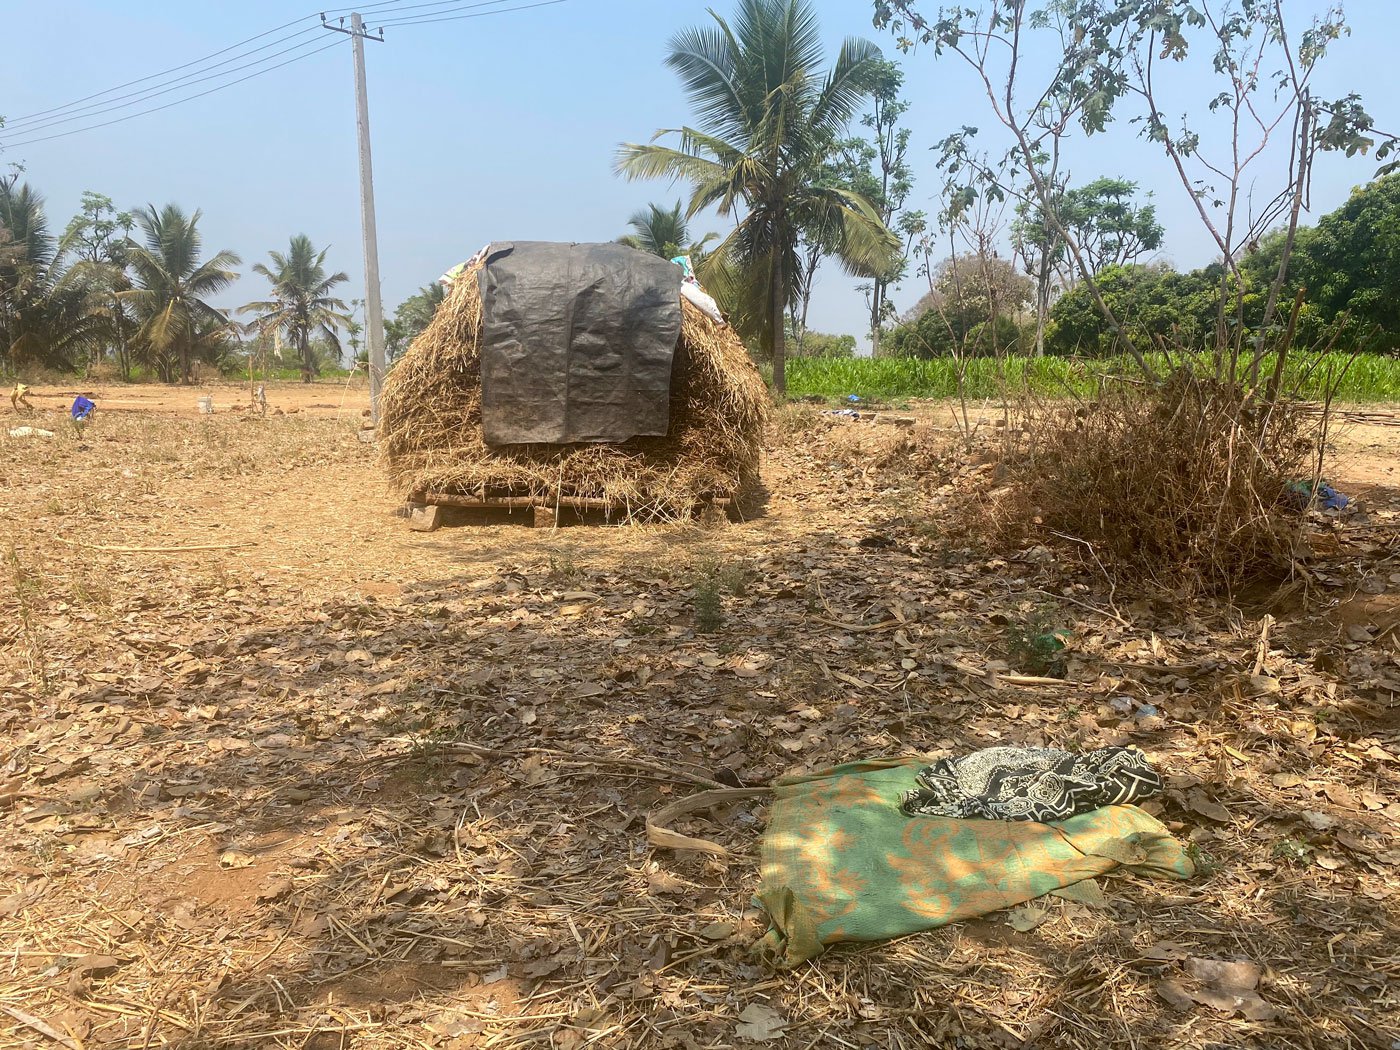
x: 276, y: 771
x: 340, y: 399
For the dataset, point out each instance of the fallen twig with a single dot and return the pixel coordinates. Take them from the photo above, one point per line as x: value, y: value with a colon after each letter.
x: 40, y: 1026
x: 1261, y: 657
x: 857, y: 628
x: 1108, y: 576
x: 660, y: 835
x: 573, y: 758
x: 1085, y: 605
x: 157, y: 550
x: 995, y: 677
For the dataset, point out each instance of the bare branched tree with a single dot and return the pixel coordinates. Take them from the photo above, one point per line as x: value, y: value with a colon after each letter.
x: 1126, y: 58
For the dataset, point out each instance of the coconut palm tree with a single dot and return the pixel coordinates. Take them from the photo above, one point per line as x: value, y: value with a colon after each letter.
x: 171, y: 287
x: 48, y: 314
x: 664, y: 232
x: 765, y: 119
x: 300, y: 303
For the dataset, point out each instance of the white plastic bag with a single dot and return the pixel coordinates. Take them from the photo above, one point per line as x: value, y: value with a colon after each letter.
x: 699, y: 298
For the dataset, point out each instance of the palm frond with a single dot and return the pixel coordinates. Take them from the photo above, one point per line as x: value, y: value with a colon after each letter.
x: 635, y: 161
x: 864, y: 244
x: 704, y: 58
x: 851, y: 82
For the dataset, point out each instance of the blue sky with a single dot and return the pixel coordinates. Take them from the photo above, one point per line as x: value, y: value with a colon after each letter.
x: 500, y: 127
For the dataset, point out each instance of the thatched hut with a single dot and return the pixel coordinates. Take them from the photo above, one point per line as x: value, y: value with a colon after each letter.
x: 438, y: 447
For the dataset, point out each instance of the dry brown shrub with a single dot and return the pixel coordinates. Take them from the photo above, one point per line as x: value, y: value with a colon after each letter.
x: 1183, y: 485
x: 431, y: 434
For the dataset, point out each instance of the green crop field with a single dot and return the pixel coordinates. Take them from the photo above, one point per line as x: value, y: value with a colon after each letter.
x: 1367, y: 378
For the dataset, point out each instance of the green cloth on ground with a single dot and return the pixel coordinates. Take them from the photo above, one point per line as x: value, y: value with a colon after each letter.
x: 842, y: 863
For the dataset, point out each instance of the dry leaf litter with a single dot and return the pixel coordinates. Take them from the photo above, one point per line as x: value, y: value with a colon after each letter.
x: 323, y: 782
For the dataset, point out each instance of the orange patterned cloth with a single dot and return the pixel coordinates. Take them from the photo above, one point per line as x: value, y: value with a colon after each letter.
x: 842, y: 863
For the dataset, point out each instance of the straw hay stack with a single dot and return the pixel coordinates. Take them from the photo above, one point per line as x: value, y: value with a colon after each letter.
x: 430, y: 425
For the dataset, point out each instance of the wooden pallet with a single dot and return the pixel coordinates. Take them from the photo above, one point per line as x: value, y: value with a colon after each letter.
x: 425, y: 509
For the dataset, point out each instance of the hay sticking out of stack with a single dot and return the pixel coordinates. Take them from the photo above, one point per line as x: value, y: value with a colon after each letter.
x: 430, y: 425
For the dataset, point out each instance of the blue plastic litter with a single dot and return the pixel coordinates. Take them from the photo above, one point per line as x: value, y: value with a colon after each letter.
x: 1331, y: 498
x: 854, y: 399
x: 82, y: 407
x: 1327, y: 497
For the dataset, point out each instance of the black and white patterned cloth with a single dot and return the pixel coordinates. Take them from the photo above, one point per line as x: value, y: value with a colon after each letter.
x: 1031, y: 783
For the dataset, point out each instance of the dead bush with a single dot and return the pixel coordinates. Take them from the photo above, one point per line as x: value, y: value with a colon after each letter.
x: 1184, y: 484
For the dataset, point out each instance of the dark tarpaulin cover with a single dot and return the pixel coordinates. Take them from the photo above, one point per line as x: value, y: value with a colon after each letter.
x: 577, y: 342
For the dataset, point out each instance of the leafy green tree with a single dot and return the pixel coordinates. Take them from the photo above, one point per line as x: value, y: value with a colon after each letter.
x: 96, y: 239
x: 1102, y: 218
x: 354, y: 333
x: 1049, y: 71
x: 876, y: 168
x: 765, y: 115
x: 1156, y: 305
x: 170, y: 290
x: 96, y: 234
x: 1350, y: 261
x: 46, y: 311
x: 845, y: 166
x: 1040, y: 247
x: 935, y: 334
x: 411, y: 317
x: 888, y: 183
x: 971, y: 309
x: 301, y: 306
x: 975, y: 288
x: 1111, y: 228
x: 823, y: 344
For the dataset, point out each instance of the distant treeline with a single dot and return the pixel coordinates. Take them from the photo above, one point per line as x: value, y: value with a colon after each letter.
x: 1343, y: 274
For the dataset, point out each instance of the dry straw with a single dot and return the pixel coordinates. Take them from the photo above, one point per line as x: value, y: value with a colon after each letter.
x: 432, y: 438
x: 1186, y: 485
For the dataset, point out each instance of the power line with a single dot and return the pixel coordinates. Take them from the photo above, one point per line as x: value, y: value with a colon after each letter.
x: 479, y: 14
x: 88, y: 106
x: 100, y: 102
x: 189, y: 80
x: 78, y: 103
x: 178, y: 101
x: 413, y: 7
x: 173, y: 69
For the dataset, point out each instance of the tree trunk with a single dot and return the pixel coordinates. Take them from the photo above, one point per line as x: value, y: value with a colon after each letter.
x: 806, y: 275
x: 305, y: 347
x: 185, y: 361
x: 123, y: 349
x: 776, y: 314
x: 1301, y: 182
x: 1042, y: 302
x: 876, y: 310
x: 802, y: 322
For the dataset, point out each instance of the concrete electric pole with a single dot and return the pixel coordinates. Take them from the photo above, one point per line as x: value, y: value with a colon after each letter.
x: 374, y: 308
